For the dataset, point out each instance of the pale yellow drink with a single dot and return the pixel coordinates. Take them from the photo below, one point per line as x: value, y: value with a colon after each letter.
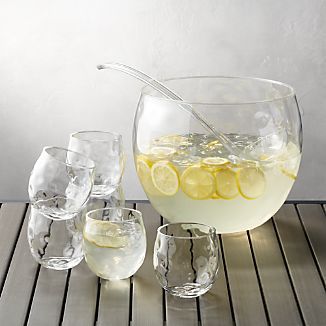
x: 192, y: 179
x: 114, y: 250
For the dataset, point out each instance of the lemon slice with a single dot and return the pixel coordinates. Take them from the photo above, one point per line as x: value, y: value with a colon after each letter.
x: 197, y: 183
x: 104, y: 234
x: 290, y: 161
x: 249, y: 163
x: 162, y: 152
x: 213, y: 144
x: 143, y: 167
x: 251, y: 182
x: 165, y: 178
x: 288, y: 173
x: 215, y: 161
x: 215, y: 196
x: 173, y: 139
x: 226, y: 184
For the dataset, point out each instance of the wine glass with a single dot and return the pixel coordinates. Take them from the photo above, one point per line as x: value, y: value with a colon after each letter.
x: 190, y: 176
x: 106, y: 150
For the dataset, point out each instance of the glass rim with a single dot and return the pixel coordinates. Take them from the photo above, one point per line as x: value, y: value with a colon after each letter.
x: 91, y: 165
x: 211, y: 230
x: 138, y: 213
x: 290, y: 91
x: 111, y: 133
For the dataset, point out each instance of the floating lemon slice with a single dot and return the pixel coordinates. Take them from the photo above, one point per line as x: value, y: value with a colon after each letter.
x: 288, y: 173
x: 173, y: 139
x: 226, y: 184
x: 249, y: 163
x: 162, y: 152
x: 215, y: 161
x: 290, y: 161
x: 213, y: 144
x: 215, y: 196
x: 197, y: 183
x: 143, y: 167
x: 251, y: 182
x: 104, y: 234
x: 165, y: 178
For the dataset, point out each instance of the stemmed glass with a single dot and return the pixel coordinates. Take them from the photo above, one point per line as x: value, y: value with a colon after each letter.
x: 60, y: 184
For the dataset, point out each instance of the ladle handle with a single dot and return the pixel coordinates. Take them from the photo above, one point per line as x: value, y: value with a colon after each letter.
x: 165, y: 91
x: 143, y: 77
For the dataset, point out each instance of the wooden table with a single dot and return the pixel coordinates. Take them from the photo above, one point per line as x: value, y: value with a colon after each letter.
x: 272, y: 275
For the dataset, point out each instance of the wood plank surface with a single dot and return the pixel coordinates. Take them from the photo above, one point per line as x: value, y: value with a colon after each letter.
x: 47, y: 302
x: 314, y: 220
x: 181, y: 312
x: 81, y: 297
x: 19, y: 283
x: 245, y: 293
x: 114, y: 300
x: 146, y: 289
x: 274, y: 274
x: 308, y: 285
x: 11, y: 217
x: 280, y: 299
x: 215, y: 306
x: 114, y: 303
x: 82, y: 294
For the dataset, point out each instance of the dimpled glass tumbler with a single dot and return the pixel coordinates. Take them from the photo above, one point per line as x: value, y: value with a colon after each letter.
x: 60, y: 182
x: 106, y: 150
x: 186, y: 258
x: 59, y: 186
x: 114, y: 242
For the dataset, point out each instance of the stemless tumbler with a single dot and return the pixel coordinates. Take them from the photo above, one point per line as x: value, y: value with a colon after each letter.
x: 54, y: 243
x: 186, y: 258
x: 114, y: 242
x: 106, y: 150
x: 59, y: 186
x: 60, y: 182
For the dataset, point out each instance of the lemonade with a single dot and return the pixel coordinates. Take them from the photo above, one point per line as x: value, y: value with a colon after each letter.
x: 114, y: 250
x: 192, y: 178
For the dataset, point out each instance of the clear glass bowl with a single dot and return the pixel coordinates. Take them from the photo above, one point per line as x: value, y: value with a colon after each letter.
x: 189, y: 175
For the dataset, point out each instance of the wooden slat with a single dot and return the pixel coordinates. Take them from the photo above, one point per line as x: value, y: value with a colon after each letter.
x: 314, y: 221
x: 147, y: 294
x: 279, y: 297
x: 215, y: 305
x: 81, y: 297
x: 11, y: 215
x: 246, y: 297
x: 114, y: 303
x: 308, y: 286
x: 15, y: 299
x: 181, y: 312
x: 48, y: 297
x: 114, y: 300
x: 83, y: 285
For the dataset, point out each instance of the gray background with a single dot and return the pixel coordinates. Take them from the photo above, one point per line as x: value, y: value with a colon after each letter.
x: 49, y: 86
